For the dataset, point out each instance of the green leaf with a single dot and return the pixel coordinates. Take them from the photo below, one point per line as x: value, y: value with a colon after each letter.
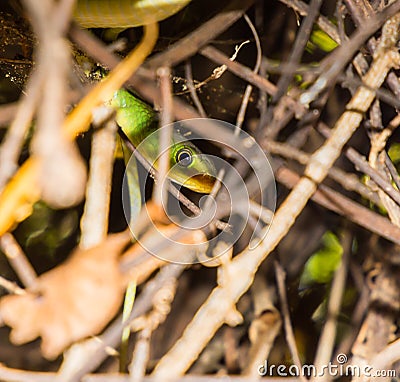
x: 394, y: 153
x: 321, y: 266
x: 130, y: 296
x: 322, y: 40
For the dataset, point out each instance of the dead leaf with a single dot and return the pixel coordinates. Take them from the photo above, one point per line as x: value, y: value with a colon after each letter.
x: 72, y: 301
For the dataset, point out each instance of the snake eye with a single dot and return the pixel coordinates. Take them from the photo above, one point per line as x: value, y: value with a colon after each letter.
x: 184, y: 157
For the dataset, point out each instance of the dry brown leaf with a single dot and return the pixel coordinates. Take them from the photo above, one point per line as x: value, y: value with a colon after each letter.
x: 72, y: 301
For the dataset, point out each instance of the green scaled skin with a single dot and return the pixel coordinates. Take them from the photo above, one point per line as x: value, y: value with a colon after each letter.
x: 136, y: 119
x: 189, y: 167
x: 124, y: 13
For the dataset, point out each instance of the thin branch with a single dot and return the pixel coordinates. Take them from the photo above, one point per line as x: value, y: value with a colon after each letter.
x: 362, y: 165
x: 11, y: 288
x: 18, y: 260
x: 323, y: 22
x: 296, y: 53
x: 348, y: 181
x: 338, y: 203
x: 358, y: 313
x: 13, y: 141
x: 264, y: 328
x: 360, y: 10
x: 240, y: 70
x: 392, y: 170
x: 140, y: 357
x: 160, y: 193
x: 94, y: 222
x: 327, y: 338
x: 192, y: 89
x: 8, y: 113
x: 249, y: 88
x: 289, y: 333
x: 388, y: 356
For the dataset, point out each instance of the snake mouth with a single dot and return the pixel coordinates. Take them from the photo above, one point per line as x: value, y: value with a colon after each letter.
x: 202, y: 183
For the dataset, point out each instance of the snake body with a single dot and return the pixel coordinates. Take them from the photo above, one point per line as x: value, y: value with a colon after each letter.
x: 124, y: 13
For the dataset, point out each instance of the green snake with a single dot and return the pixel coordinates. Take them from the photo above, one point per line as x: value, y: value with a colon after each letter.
x: 189, y: 167
x: 124, y: 13
x: 138, y: 121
